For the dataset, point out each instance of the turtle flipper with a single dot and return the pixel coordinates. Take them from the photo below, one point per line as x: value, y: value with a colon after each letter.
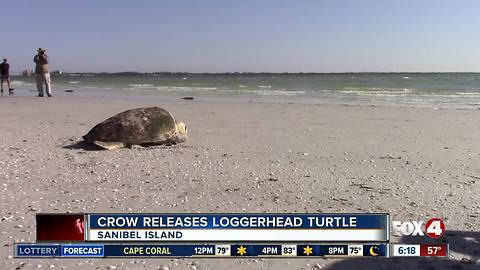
x: 109, y: 145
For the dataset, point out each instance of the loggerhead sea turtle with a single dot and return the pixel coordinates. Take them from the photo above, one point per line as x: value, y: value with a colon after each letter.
x: 141, y: 126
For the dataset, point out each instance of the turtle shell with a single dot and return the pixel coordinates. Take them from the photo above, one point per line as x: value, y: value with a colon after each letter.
x: 136, y: 126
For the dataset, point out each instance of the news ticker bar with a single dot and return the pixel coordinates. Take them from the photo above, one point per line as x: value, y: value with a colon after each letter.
x: 200, y: 250
x: 23, y: 250
x: 213, y: 227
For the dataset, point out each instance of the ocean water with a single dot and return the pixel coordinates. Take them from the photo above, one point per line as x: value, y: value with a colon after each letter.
x: 457, y: 90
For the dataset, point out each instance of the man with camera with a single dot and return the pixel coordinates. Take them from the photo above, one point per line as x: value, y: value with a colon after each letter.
x: 41, y: 72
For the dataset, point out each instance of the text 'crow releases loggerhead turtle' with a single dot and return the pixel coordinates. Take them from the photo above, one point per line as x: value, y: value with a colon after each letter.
x: 142, y: 126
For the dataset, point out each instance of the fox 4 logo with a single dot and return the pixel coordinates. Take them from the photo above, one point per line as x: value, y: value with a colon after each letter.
x: 434, y: 228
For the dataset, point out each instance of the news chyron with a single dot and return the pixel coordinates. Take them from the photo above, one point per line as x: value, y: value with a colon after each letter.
x: 225, y: 235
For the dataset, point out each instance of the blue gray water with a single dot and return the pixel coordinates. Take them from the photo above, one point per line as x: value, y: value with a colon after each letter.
x: 457, y: 90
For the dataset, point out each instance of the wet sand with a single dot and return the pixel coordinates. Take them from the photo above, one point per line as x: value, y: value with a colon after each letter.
x: 242, y: 157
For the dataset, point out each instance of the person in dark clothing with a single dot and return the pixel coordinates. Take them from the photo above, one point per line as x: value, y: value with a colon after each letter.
x: 5, y: 75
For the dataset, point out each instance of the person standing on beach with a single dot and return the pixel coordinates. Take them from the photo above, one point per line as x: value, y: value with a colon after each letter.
x: 41, y: 72
x: 5, y: 75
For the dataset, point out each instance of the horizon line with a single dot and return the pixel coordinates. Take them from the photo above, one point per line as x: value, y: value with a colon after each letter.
x: 251, y: 72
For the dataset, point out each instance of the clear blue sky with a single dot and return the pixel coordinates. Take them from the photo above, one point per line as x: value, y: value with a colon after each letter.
x: 244, y: 35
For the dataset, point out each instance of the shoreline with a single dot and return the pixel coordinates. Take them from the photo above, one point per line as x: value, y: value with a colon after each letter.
x: 213, y: 97
x: 430, y: 90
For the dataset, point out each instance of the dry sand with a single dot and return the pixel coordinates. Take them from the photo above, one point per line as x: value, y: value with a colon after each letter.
x: 243, y: 157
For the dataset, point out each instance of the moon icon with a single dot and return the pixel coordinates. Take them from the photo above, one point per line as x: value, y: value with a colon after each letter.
x: 374, y: 251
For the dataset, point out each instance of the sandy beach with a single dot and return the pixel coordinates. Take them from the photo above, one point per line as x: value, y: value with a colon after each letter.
x: 413, y: 163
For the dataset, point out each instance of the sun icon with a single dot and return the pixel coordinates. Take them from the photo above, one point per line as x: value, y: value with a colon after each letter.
x: 242, y: 250
x: 307, y: 250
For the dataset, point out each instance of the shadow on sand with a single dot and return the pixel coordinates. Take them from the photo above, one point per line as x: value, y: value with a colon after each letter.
x: 463, y: 242
x: 83, y: 145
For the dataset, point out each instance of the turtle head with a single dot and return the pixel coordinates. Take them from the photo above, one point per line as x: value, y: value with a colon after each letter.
x: 181, y: 131
x: 181, y: 127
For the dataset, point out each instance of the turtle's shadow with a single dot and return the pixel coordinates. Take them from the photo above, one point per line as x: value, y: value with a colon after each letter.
x: 464, y: 242
x: 83, y: 145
